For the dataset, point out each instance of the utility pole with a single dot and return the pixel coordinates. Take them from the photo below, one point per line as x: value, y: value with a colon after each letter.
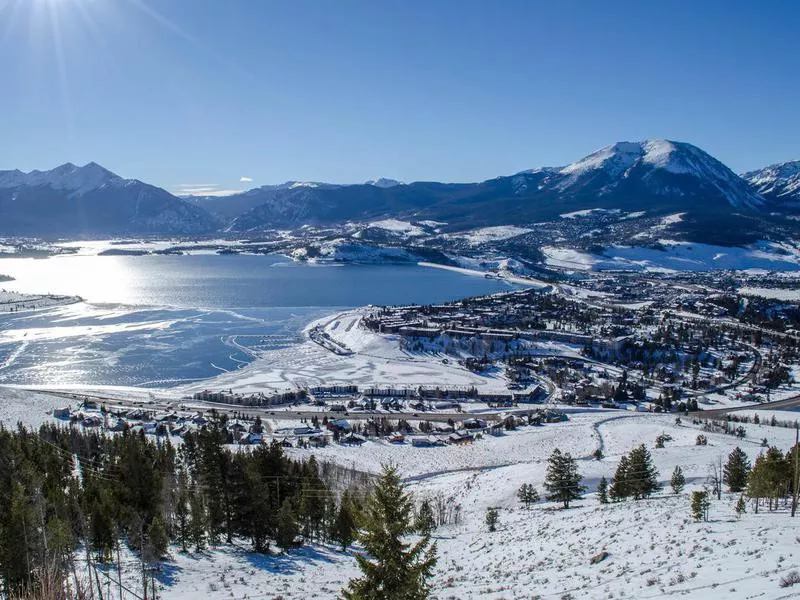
x: 796, y: 478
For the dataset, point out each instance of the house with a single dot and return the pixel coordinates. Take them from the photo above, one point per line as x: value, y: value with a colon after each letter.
x: 92, y: 421
x: 352, y: 440
x: 460, y: 437
x: 62, y: 413
x: 340, y: 425
x: 252, y: 438
x: 425, y: 441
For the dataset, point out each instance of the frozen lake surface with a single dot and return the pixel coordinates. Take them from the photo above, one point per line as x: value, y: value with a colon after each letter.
x: 166, y: 320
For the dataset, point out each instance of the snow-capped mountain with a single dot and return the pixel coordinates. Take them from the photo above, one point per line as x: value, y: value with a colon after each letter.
x: 778, y: 183
x: 658, y: 176
x: 383, y: 182
x: 651, y: 178
x: 67, y: 177
x: 662, y: 167
x: 92, y: 201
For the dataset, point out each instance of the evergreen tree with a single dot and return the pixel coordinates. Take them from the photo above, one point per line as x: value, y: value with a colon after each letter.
x: 619, y: 489
x: 700, y: 505
x: 287, y: 529
x: 100, y: 507
x: 528, y: 494
x: 426, y: 522
x: 254, y: 516
x: 563, y: 481
x: 492, y: 518
x: 181, y: 518
x: 157, y: 541
x: 344, y: 525
x: 644, y: 475
x: 392, y: 568
x: 602, y: 491
x: 197, y: 523
x: 736, y: 470
x: 678, y: 481
x: 740, y: 508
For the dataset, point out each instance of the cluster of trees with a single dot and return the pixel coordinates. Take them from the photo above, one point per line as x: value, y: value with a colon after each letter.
x: 61, y: 489
x: 636, y: 476
x: 773, y: 476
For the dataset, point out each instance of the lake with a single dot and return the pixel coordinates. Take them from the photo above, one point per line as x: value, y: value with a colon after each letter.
x: 165, y: 320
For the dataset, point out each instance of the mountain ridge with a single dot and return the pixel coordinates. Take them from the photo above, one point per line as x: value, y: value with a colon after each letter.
x: 91, y: 200
x: 657, y: 176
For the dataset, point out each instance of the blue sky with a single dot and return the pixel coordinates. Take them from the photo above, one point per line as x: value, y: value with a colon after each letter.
x: 205, y: 92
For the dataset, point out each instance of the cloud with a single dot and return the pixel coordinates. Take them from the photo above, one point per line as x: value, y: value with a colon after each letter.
x: 202, y: 189
x: 244, y: 179
x: 219, y: 193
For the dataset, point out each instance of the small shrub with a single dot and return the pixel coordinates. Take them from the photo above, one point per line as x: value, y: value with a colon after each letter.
x: 791, y: 578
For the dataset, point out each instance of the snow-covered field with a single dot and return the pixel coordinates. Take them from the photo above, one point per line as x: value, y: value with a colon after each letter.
x: 676, y: 256
x: 377, y: 360
x: 655, y: 549
x: 14, y: 301
x: 482, y: 235
x: 774, y: 293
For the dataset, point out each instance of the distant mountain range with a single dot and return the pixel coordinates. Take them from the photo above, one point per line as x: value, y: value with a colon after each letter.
x: 657, y: 177
x: 91, y: 201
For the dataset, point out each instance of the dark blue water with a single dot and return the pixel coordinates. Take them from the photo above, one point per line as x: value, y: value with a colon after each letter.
x: 165, y: 320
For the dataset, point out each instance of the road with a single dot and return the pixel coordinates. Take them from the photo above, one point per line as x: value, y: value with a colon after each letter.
x: 163, y: 405
x: 784, y: 404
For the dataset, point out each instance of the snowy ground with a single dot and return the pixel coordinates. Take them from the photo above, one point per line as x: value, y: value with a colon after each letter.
x: 15, y: 301
x: 677, y: 256
x: 655, y: 549
x: 378, y: 360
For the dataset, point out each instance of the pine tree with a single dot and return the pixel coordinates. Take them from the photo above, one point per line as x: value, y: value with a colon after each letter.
x: 197, y: 523
x: 425, y: 522
x: 619, y: 489
x: 740, y: 507
x: 182, y: 529
x: 287, y: 528
x: 157, y: 541
x: 677, y: 481
x: 492, y: 518
x: 602, y: 491
x: 644, y: 475
x: 700, y: 505
x: 258, y: 515
x: 736, y: 470
x: 768, y: 478
x: 563, y: 481
x: 344, y: 525
x: 528, y: 494
x: 392, y: 568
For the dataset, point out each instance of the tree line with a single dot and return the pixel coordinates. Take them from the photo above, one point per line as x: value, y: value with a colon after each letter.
x: 64, y: 489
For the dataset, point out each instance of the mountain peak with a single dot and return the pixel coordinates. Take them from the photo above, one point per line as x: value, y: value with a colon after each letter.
x: 67, y: 177
x: 383, y: 182
x: 650, y: 160
x: 780, y: 181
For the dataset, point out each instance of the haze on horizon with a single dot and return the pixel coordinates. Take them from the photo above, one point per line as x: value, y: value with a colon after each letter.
x: 226, y: 96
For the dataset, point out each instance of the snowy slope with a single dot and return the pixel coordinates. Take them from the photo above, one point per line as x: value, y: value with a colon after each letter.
x: 645, y: 160
x: 779, y: 182
x: 674, y: 255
